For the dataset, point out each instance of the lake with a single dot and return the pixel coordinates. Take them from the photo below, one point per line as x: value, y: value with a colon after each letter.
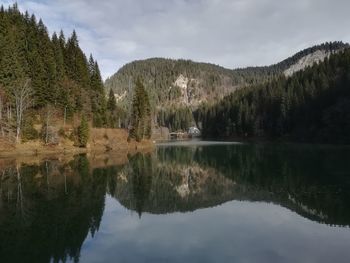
x: 186, y: 202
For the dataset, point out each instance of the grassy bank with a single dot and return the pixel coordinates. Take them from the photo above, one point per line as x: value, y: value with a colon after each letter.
x: 100, y: 141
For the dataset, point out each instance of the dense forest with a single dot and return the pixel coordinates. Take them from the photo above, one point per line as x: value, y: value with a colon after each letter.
x: 175, y: 107
x: 44, y: 77
x: 312, y: 105
x: 60, y: 203
x: 166, y: 99
x: 160, y: 74
x: 40, y: 73
x: 140, y: 121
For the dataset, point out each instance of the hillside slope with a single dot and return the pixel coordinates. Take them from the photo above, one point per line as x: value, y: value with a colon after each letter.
x: 189, y: 82
x: 313, y: 105
x: 184, y: 85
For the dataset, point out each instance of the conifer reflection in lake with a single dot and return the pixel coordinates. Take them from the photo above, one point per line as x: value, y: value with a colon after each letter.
x: 193, y: 203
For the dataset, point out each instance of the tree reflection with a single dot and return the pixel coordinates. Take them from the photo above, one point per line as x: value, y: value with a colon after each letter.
x: 47, y: 210
x: 308, y: 180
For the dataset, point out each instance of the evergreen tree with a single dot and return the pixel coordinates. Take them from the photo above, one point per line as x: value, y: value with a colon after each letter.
x: 58, y: 69
x: 98, y: 101
x: 83, y: 132
x: 309, y: 106
x: 141, y: 114
x: 112, y: 104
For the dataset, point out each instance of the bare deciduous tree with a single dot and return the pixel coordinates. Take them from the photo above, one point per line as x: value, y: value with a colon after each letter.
x: 22, y: 94
x: 1, y: 107
x: 50, y: 134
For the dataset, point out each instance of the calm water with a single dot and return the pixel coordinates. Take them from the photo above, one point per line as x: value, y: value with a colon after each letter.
x: 185, y: 203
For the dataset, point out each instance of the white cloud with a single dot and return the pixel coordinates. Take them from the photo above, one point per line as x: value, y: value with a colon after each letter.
x: 233, y: 33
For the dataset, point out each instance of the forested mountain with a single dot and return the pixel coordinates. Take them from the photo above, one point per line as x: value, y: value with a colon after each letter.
x: 312, y: 105
x: 178, y: 87
x: 54, y: 70
x: 43, y: 76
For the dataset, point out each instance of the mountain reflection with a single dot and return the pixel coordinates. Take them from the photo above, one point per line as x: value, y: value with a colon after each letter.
x: 315, y: 183
x: 48, y: 209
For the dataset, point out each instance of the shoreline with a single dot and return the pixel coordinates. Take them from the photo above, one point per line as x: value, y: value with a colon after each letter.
x: 97, y: 157
x: 66, y: 151
x: 102, y: 140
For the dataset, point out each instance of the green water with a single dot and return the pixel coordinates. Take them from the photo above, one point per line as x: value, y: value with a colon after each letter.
x: 186, y: 202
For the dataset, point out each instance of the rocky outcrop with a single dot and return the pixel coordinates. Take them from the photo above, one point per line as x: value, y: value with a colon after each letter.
x: 307, y: 61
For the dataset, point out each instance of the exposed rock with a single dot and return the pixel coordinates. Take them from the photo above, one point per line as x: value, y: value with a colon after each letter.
x: 307, y: 61
x: 182, y: 83
x: 120, y: 97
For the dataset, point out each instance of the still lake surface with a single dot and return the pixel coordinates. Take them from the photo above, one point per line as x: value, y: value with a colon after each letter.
x: 186, y: 202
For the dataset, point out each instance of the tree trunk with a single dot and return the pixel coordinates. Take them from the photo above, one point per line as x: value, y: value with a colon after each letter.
x: 22, y: 95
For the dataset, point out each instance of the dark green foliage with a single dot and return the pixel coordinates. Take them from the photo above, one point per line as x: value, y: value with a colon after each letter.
x: 141, y: 114
x: 98, y: 101
x: 176, y: 118
x: 312, y: 105
x: 116, y: 116
x: 56, y: 216
x: 141, y: 180
x: 63, y: 203
x: 59, y: 71
x: 206, y: 82
x: 28, y: 131
x: 83, y: 132
x: 111, y: 104
x: 294, y: 176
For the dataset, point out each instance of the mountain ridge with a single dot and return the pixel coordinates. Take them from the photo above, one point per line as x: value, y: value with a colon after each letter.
x: 216, y: 81
x: 177, y: 88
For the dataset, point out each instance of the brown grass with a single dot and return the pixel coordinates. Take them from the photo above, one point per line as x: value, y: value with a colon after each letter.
x: 101, y: 141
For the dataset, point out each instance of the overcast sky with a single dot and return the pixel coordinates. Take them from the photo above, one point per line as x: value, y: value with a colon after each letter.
x: 231, y: 33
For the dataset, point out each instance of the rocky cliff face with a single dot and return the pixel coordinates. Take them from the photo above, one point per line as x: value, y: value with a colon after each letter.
x: 190, y: 92
x: 307, y: 61
x: 182, y: 83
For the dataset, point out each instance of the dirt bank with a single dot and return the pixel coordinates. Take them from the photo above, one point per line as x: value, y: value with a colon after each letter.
x: 100, y: 141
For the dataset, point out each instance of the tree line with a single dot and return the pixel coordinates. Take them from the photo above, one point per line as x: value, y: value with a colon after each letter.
x: 312, y: 105
x: 207, y: 82
x: 47, y: 75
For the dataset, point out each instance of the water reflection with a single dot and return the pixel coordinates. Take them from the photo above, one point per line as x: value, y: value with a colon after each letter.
x: 48, y: 210
x: 314, y: 182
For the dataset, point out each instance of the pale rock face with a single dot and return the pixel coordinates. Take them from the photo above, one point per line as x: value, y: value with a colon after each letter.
x: 120, y: 97
x: 182, y: 83
x: 307, y: 61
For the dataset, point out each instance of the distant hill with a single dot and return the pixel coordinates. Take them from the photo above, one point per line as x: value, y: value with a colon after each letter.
x: 312, y: 105
x: 184, y: 85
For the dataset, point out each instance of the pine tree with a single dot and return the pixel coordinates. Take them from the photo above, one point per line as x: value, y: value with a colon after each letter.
x: 83, y: 132
x: 111, y: 104
x: 58, y: 69
x: 97, y: 91
x: 141, y: 114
